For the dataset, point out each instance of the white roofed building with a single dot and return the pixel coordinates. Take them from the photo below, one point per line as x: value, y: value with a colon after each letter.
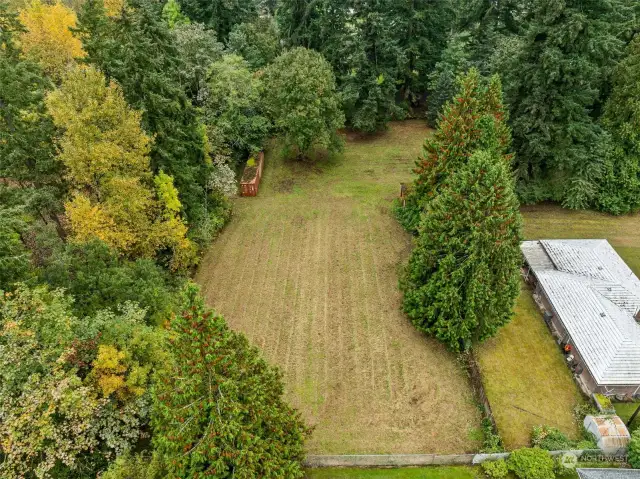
x: 592, y: 303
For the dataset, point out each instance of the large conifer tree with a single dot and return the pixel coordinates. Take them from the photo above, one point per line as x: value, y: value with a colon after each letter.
x: 27, y: 154
x: 462, y: 279
x: 219, y: 408
x: 554, y: 84
x: 474, y: 119
x: 138, y: 51
x: 620, y: 187
x: 381, y: 50
x: 422, y: 26
x: 221, y: 15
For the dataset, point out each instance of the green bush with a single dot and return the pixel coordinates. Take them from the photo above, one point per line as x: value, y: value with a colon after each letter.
x: 130, y: 466
x: 495, y: 469
x: 251, y: 162
x: 492, y: 442
x: 550, y: 438
x: 531, y: 463
x: 634, y: 449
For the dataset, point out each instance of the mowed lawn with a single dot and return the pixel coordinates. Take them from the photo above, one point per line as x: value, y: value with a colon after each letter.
x: 525, y: 377
x: 455, y: 472
x: 309, y: 271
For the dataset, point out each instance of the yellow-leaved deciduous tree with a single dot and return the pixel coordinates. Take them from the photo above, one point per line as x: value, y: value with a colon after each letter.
x: 48, y: 38
x: 114, y: 196
x: 114, y: 372
x: 113, y: 7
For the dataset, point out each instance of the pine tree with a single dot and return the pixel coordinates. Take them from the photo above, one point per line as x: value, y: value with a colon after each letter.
x: 218, y: 406
x: 138, y: 51
x: 462, y: 279
x: 489, y: 23
x: 474, y: 119
x: 375, y: 62
x: 554, y: 84
x: 620, y: 186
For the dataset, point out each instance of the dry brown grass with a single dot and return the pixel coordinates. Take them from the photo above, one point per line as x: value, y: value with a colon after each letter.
x: 308, y: 270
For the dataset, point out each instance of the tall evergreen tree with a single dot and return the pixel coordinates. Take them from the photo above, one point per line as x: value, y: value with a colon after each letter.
x: 474, y: 119
x: 381, y: 50
x: 422, y: 27
x: 219, y: 409
x: 376, y: 63
x: 620, y: 186
x: 462, y: 279
x: 138, y: 51
x: 489, y: 22
x: 443, y: 80
x: 553, y: 84
x: 221, y: 15
x: 27, y: 153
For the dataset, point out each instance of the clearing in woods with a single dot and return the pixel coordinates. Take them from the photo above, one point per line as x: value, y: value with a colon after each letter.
x: 309, y: 271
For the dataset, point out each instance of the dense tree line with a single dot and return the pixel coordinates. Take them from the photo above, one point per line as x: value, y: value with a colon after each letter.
x: 122, y: 126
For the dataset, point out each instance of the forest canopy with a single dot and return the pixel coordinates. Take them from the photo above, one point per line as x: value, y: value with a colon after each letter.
x: 123, y: 127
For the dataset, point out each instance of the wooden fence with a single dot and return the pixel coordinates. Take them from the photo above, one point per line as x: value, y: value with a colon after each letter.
x: 250, y: 188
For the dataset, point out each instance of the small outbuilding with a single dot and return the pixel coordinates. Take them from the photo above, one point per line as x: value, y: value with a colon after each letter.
x: 610, y: 432
x: 591, y: 302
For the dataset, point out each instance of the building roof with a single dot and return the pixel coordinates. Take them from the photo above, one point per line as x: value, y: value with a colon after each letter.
x: 596, y: 296
x: 609, y: 473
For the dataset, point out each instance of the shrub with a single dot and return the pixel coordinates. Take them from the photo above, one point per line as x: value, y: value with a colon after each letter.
x: 492, y: 442
x: 550, y: 438
x: 495, y: 469
x: 634, y: 449
x: 531, y: 463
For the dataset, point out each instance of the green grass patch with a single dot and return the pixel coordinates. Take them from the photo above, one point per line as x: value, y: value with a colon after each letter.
x: 625, y: 410
x: 525, y: 377
x: 553, y: 222
x: 404, y: 473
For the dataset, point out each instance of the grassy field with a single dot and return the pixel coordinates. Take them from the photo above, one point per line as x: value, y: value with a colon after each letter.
x: 625, y: 410
x: 525, y: 377
x: 553, y: 222
x: 308, y: 270
x: 405, y: 473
